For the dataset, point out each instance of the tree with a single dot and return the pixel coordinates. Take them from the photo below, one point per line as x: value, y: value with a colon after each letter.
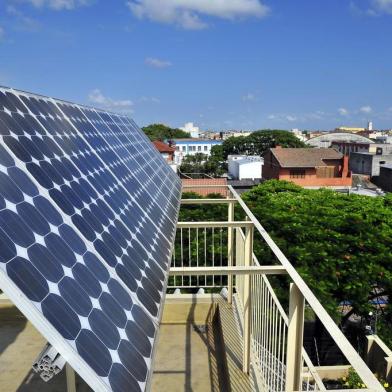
x: 259, y: 142
x: 201, y: 164
x: 162, y: 132
x: 340, y: 244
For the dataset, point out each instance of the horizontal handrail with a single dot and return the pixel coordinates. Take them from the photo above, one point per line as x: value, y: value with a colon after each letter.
x: 235, y: 270
x: 225, y: 224
x: 208, y: 201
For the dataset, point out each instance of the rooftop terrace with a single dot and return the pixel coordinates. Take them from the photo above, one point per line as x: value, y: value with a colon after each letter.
x: 223, y: 327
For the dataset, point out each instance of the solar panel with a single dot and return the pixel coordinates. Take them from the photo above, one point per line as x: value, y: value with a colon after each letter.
x: 88, y: 211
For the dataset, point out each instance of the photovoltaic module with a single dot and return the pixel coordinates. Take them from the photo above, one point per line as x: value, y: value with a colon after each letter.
x: 88, y: 212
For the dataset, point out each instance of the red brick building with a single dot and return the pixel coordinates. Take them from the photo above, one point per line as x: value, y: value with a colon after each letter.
x: 307, y: 167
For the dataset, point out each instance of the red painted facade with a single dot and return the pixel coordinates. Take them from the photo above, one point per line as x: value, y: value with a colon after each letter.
x: 334, y: 173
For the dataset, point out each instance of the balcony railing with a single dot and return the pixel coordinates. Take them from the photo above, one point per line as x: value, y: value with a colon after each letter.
x: 219, y: 254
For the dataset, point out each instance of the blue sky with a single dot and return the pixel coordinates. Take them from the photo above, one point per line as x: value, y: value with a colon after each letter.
x: 223, y: 64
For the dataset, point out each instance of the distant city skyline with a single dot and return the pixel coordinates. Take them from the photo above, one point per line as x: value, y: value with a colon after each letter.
x: 233, y: 64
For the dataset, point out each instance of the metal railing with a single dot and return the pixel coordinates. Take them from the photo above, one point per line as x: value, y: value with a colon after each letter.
x: 220, y: 254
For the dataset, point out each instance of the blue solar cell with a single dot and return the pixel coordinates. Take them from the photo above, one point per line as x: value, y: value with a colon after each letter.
x: 45, y: 262
x: 9, y: 190
x: 132, y: 360
x: 121, y: 380
x: 120, y: 294
x: 104, y: 328
x: 94, y: 352
x: 48, y: 211
x: 22, y: 181
x: 87, y: 280
x: 5, y: 158
x: 8, y: 250
x: 113, y: 310
x: 96, y: 267
x: 33, y: 217
x: 16, y: 228
x: 126, y: 277
x: 138, y: 338
x: 60, y: 250
x: 28, y: 279
x: 75, y: 296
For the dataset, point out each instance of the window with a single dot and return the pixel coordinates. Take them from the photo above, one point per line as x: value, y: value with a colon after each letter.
x: 297, y: 173
x: 177, y: 148
x: 205, y: 148
x: 183, y: 148
x: 198, y: 148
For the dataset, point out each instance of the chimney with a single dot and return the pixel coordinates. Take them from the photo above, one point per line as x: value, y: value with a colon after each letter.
x: 345, y: 167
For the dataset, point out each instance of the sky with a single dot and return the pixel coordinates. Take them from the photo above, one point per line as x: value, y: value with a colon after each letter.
x: 222, y: 64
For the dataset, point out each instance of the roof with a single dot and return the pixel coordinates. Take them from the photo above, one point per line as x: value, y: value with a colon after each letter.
x: 387, y: 166
x: 163, y: 147
x: 197, y: 140
x: 214, y: 185
x: 304, y: 157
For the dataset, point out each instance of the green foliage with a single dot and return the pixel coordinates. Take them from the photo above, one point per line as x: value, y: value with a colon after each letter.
x: 259, y: 142
x: 353, y: 381
x: 340, y: 244
x: 201, y: 163
x: 163, y: 132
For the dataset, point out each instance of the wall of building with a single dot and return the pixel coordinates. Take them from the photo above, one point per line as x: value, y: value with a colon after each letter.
x: 271, y: 166
x: 384, y: 180
x: 368, y: 164
x: 311, y: 179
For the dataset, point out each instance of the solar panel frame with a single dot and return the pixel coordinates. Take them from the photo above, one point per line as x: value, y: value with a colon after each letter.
x: 32, y: 313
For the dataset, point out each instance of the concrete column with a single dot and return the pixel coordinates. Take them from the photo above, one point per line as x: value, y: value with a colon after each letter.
x: 70, y: 378
x: 247, y: 299
x: 295, y: 339
x: 230, y: 252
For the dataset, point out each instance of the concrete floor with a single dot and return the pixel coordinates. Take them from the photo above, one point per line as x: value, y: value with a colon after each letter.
x: 20, y: 343
x: 199, y: 350
x: 199, y: 360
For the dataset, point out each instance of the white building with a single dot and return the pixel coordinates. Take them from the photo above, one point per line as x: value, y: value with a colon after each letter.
x: 243, y: 167
x: 191, y: 129
x: 186, y: 147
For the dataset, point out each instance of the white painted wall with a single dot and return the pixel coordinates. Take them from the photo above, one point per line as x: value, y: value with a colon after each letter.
x: 243, y: 167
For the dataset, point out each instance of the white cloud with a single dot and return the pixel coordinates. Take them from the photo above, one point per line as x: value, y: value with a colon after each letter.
x: 366, y: 109
x: 249, y: 97
x: 291, y: 118
x: 150, y: 99
x: 343, y: 112
x: 96, y: 97
x: 384, y: 6
x: 2, y: 33
x: 157, y: 63
x: 23, y: 22
x: 271, y: 117
x: 58, y: 4
x: 188, y: 13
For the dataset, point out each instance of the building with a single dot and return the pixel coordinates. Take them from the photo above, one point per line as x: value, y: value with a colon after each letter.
x: 384, y: 180
x: 205, y: 186
x: 350, y: 129
x: 369, y: 163
x: 325, y: 140
x: 185, y: 147
x: 165, y: 150
x: 243, y: 167
x: 308, y: 167
x: 191, y: 129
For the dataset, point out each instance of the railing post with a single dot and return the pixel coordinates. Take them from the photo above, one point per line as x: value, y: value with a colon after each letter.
x: 70, y: 378
x: 230, y: 252
x: 247, y: 299
x: 295, y: 339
